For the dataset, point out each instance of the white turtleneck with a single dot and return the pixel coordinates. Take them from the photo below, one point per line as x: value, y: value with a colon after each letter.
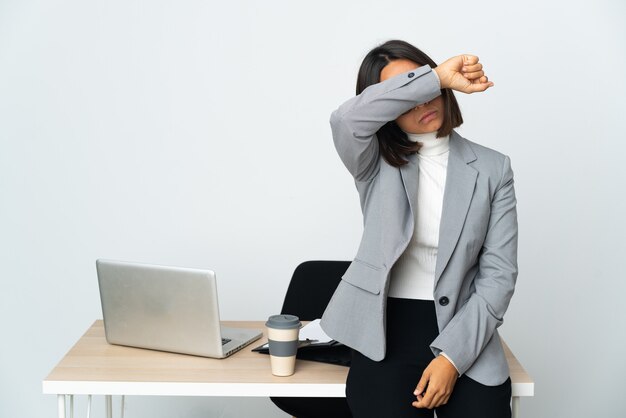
x: 413, y: 275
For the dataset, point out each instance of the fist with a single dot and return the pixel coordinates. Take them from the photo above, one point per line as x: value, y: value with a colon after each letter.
x: 463, y: 73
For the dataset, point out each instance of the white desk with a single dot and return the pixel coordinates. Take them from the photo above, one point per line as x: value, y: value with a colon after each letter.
x: 94, y: 367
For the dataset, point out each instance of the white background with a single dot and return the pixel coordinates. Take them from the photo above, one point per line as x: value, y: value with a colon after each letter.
x: 196, y: 134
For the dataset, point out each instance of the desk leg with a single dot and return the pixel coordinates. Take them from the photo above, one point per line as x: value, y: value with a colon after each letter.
x: 515, y: 407
x: 108, y: 400
x: 61, y: 405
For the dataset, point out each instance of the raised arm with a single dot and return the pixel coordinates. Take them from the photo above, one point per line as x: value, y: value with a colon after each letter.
x: 355, y: 123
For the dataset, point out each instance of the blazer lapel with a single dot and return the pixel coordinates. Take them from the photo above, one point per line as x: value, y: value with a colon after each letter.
x: 460, y: 184
x: 410, y: 174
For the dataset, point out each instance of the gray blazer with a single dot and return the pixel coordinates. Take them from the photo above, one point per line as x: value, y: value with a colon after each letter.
x: 476, y: 265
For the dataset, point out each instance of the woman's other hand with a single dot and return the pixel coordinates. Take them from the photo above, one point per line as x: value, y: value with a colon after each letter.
x: 463, y: 73
x: 436, y: 384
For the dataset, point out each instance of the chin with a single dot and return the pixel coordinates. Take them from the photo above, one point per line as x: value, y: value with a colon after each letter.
x: 433, y: 128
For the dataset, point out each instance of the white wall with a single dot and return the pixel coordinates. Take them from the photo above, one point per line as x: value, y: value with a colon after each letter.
x: 196, y: 133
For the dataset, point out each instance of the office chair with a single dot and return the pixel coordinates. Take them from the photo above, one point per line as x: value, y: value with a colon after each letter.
x: 311, y: 287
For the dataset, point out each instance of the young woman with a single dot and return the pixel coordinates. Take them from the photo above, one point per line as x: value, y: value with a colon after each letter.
x: 437, y: 263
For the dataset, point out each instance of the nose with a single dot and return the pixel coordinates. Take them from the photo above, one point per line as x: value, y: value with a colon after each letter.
x: 421, y: 105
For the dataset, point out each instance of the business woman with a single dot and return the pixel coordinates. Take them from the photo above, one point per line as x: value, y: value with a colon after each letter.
x: 436, y: 268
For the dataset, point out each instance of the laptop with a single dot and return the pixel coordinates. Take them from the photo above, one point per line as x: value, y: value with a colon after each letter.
x: 166, y: 308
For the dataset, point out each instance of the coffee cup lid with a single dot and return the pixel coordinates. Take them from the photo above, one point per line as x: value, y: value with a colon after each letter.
x: 283, y: 321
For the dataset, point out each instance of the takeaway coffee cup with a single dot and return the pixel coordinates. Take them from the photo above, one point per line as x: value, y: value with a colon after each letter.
x: 282, y: 333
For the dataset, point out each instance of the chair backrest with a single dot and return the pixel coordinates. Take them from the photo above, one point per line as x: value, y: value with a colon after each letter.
x: 312, y: 285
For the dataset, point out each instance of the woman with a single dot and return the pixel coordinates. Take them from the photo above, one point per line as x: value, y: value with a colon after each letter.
x: 437, y: 263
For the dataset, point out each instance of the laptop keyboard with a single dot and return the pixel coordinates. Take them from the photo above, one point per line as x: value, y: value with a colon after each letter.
x: 225, y: 341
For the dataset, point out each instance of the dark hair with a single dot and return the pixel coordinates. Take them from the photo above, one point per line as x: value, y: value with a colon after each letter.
x: 393, y: 142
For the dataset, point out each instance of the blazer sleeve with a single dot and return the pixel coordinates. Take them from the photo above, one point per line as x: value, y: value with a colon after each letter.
x: 355, y: 123
x: 476, y: 321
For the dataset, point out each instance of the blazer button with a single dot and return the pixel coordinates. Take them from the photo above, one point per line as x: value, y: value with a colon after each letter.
x: 411, y: 75
x: 443, y: 301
